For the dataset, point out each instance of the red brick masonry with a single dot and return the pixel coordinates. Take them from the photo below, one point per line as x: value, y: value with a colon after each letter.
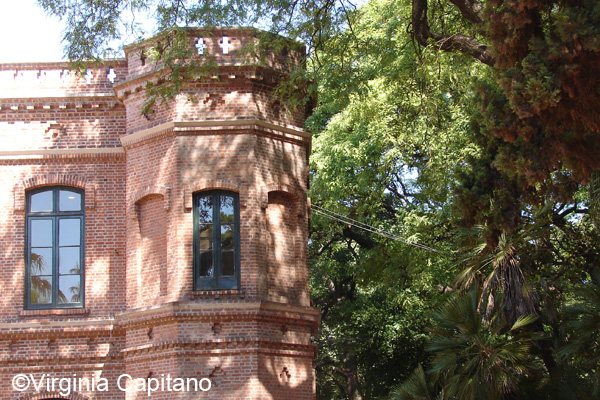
x: 141, y: 316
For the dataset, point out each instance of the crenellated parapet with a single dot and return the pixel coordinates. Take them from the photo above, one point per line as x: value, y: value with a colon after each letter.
x: 57, y: 79
x: 225, y: 47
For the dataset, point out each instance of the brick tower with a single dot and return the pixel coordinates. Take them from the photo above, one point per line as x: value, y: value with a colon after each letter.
x: 158, y: 248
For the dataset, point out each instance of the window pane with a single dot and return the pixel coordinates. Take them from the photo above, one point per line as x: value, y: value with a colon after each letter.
x: 216, y: 240
x: 41, y: 201
x: 206, y: 264
x: 205, y: 209
x: 69, y: 201
x: 41, y: 233
x: 227, y: 263
x: 69, y: 260
x: 69, y: 232
x: 226, y: 209
x: 54, y: 242
x: 227, y: 237
x: 41, y: 261
x: 41, y: 289
x: 205, y: 237
x: 69, y: 289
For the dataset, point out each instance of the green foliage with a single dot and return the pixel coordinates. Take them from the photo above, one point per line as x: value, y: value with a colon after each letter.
x: 396, y: 134
x: 370, y: 336
x: 390, y: 134
x: 582, y: 319
x: 594, y: 195
x: 416, y: 387
x: 535, y: 121
x: 94, y: 28
x: 476, y: 355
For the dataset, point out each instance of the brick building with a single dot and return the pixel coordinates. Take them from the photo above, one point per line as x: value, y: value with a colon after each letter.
x: 163, y: 249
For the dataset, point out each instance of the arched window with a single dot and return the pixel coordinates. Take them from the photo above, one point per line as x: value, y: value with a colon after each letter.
x: 216, y: 240
x: 54, y: 248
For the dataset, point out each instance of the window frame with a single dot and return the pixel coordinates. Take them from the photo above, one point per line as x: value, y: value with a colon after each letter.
x: 216, y: 282
x: 55, y: 215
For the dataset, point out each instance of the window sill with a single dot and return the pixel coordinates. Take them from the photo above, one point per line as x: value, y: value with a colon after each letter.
x: 217, y: 294
x: 54, y: 311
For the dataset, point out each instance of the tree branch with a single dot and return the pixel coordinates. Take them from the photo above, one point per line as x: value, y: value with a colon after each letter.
x: 363, y: 241
x: 339, y: 384
x: 457, y: 42
x: 471, y: 10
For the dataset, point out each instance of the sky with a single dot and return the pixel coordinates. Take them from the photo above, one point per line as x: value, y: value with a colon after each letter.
x: 27, y: 33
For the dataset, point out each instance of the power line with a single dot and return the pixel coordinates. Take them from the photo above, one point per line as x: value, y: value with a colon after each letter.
x: 369, y: 228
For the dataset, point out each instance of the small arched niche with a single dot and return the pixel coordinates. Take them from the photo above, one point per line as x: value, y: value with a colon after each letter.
x: 285, y: 278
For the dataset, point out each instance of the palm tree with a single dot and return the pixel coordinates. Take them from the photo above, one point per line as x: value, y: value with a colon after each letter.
x: 499, y: 270
x: 476, y: 355
x: 41, y: 289
x: 417, y: 387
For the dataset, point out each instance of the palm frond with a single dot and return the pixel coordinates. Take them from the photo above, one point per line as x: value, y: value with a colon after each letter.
x: 414, y: 388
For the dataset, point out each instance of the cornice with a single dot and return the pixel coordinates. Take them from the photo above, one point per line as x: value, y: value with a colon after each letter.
x: 181, y: 127
x: 39, y: 325
x: 217, y: 311
x: 220, y: 346
x: 49, y: 96
x: 61, y: 153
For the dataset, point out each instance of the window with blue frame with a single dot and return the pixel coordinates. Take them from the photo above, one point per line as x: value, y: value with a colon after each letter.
x: 54, y: 248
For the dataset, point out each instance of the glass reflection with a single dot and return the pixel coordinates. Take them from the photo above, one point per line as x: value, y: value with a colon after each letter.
x: 205, y: 237
x: 227, y: 237
x: 54, y: 247
x: 40, y: 260
x: 69, y: 201
x: 41, y: 289
x: 226, y: 209
x: 69, y: 260
x: 69, y: 232
x: 206, y: 264
x: 41, y: 201
x: 41, y: 232
x: 227, y: 263
x: 69, y: 289
x: 205, y: 209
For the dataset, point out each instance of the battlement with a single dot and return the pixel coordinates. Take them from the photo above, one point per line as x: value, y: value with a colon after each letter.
x: 56, y: 79
x: 221, y: 46
x: 224, y: 46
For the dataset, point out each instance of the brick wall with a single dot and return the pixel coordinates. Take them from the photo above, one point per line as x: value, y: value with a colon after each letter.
x: 141, y: 314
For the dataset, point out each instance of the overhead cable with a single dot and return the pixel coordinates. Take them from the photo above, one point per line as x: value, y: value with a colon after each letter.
x: 361, y: 225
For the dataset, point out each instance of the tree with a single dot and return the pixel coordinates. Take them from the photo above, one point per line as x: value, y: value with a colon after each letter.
x: 389, y: 128
x: 538, y: 238
x: 477, y: 354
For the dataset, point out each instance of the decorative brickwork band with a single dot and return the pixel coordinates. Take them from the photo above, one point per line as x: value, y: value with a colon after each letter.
x: 52, y: 395
x: 54, y: 180
x: 164, y: 191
